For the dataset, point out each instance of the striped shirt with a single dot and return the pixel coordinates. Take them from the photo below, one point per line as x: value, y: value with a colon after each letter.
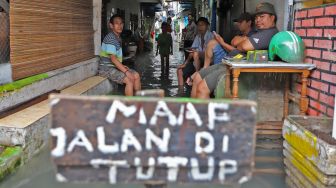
x: 111, y: 46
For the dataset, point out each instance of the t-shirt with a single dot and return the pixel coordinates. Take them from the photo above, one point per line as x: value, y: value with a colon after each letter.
x: 164, y: 42
x: 198, y: 41
x: 261, y: 39
x: 111, y: 46
x: 169, y: 28
x: 191, y: 31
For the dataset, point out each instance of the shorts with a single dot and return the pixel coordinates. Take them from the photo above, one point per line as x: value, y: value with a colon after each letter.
x: 218, y: 54
x: 188, y: 43
x: 188, y: 70
x: 112, y: 73
x: 190, y: 67
x: 212, y: 75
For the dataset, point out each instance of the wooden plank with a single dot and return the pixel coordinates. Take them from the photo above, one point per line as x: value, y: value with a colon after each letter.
x: 269, y: 159
x: 314, y: 149
x: 269, y: 132
x: 206, y: 140
x: 301, y: 162
x: 269, y: 146
x: 301, y: 178
x: 297, y: 180
x: 291, y: 184
x: 268, y: 171
x: 272, y: 125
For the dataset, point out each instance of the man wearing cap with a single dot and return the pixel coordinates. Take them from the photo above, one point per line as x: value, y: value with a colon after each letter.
x: 206, y: 80
x: 216, y: 52
x: 196, y: 51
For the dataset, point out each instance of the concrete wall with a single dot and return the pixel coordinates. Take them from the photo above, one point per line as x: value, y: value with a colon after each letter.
x: 130, y: 6
x: 97, y: 12
x: 225, y: 24
x: 281, y: 8
x: 69, y: 76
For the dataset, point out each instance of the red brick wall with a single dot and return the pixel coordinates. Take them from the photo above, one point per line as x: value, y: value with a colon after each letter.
x: 317, y: 27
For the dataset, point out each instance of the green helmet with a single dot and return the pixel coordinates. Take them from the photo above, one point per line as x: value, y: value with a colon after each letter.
x: 288, y: 46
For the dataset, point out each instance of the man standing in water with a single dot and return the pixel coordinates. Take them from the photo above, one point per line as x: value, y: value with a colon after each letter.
x: 111, y: 55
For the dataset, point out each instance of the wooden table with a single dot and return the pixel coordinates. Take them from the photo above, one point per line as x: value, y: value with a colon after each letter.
x: 235, y: 68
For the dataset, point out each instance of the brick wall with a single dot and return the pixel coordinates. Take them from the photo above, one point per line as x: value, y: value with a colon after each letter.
x: 317, y: 27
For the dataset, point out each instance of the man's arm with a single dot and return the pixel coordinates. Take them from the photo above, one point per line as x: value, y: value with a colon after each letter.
x: 225, y: 45
x: 245, y: 46
x: 237, y: 40
x: 190, y: 56
x: 118, y: 64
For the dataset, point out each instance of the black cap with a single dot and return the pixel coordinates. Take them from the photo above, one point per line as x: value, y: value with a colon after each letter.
x: 244, y: 16
x: 203, y: 19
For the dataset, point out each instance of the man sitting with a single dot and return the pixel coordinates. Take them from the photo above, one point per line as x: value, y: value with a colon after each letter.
x: 215, y: 52
x: 196, y: 51
x: 111, y: 65
x: 206, y: 80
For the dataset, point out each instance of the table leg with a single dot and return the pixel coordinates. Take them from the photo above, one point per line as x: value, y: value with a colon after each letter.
x: 304, y: 99
x: 236, y: 73
x: 227, y: 83
x: 286, y: 100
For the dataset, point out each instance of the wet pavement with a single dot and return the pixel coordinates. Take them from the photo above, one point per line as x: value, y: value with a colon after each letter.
x: 148, y: 65
x: 40, y: 172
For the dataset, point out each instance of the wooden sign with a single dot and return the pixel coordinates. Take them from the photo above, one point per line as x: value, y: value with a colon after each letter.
x: 116, y: 139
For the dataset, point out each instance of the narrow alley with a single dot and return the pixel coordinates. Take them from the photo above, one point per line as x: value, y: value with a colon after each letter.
x: 149, y: 67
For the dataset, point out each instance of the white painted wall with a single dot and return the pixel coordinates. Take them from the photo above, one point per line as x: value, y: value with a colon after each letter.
x: 130, y: 6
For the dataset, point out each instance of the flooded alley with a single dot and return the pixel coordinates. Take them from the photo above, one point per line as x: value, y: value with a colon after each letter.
x: 149, y: 67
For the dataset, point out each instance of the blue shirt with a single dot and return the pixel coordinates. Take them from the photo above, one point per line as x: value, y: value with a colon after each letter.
x: 198, y: 41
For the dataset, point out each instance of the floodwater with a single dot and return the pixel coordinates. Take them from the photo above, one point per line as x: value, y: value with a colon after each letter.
x: 149, y: 67
x: 40, y: 172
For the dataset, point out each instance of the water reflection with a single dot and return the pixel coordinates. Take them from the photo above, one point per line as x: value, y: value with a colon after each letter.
x: 40, y: 173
